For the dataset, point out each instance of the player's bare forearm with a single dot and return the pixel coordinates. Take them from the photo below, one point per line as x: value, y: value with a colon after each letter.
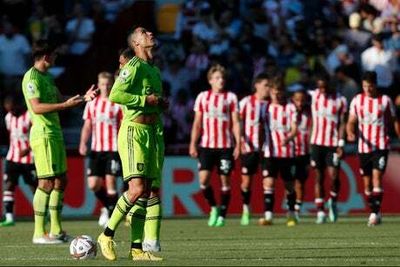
x: 396, y: 124
x: 351, y: 128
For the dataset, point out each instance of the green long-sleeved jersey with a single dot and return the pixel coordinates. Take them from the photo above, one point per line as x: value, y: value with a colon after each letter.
x: 137, y: 80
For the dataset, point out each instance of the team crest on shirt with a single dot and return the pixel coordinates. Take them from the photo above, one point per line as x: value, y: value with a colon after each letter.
x: 31, y: 89
x: 124, y: 75
x: 140, y: 167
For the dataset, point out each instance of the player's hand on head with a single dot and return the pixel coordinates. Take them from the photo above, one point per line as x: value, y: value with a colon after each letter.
x: 91, y: 93
x: 152, y: 100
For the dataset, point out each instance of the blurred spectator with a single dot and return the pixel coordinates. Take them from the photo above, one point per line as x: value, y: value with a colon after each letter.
x: 79, y: 30
x: 357, y: 39
x: 177, y: 76
x: 181, y: 112
x: 207, y: 28
x: 345, y: 85
x: 377, y: 58
x: 14, y: 52
x: 112, y: 8
x: 198, y: 60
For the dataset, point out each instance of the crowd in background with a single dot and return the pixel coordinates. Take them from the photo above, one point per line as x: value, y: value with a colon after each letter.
x: 292, y: 38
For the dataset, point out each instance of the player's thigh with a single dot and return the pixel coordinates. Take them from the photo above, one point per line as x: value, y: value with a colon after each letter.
x: 379, y: 160
x: 11, y: 173
x: 112, y: 163
x: 365, y: 160
x: 207, y: 159
x: 97, y: 164
x: 159, y: 156
x: 50, y: 157
x: 29, y: 174
x: 226, y: 162
x: 134, y: 150
x: 249, y: 163
x: 317, y: 157
x: 301, y: 167
x: 331, y: 157
x: 269, y: 167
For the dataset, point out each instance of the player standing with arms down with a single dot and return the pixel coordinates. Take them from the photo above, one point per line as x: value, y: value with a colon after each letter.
x: 44, y: 101
x: 19, y: 157
x: 301, y: 145
x: 252, y: 115
x: 217, y: 122
x: 374, y: 112
x: 140, y: 142
x: 328, y: 119
x: 102, y: 119
x: 280, y: 130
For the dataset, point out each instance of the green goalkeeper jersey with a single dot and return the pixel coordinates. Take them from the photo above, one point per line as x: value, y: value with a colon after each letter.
x: 36, y: 84
x: 136, y: 80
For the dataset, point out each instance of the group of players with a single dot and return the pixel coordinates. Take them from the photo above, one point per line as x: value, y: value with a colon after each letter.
x: 286, y: 135
x: 126, y: 116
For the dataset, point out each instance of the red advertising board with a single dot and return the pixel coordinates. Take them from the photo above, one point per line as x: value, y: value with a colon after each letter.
x: 181, y: 194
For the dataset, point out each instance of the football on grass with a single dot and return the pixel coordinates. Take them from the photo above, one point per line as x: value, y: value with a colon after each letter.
x: 83, y: 247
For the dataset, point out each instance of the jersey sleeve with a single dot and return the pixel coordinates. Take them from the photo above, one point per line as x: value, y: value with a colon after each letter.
x: 293, y: 114
x: 86, y: 112
x: 352, y: 110
x: 242, y: 105
x: 120, y: 93
x: 7, y: 120
x: 31, y: 89
x: 197, y: 104
x: 234, y: 106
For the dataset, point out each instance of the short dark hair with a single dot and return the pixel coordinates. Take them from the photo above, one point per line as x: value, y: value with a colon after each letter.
x: 261, y: 76
x: 127, y: 53
x: 370, y: 76
x: 42, y: 48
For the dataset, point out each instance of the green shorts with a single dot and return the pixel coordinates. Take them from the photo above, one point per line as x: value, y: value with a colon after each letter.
x: 160, y: 149
x: 140, y: 151
x: 50, y: 157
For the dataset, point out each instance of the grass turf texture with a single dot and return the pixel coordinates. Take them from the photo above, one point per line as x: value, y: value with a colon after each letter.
x: 192, y: 242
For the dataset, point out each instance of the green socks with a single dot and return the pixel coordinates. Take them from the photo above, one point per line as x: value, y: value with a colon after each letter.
x: 153, y: 219
x: 40, y: 202
x: 138, y: 213
x: 121, y: 209
x: 55, y: 208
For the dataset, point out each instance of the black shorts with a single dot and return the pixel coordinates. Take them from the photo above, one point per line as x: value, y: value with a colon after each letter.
x: 323, y: 156
x: 222, y: 158
x: 272, y: 167
x: 103, y: 163
x: 374, y: 160
x: 14, y: 170
x: 301, y: 166
x: 249, y: 163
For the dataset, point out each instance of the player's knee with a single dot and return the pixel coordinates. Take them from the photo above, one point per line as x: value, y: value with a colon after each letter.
x: 46, y: 185
x: 9, y: 186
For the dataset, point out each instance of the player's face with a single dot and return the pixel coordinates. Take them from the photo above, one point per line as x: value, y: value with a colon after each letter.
x: 262, y: 88
x: 299, y: 100
x: 217, y: 81
x: 104, y: 85
x: 322, y: 86
x: 369, y: 88
x: 144, y: 37
x: 122, y: 61
x: 277, y: 95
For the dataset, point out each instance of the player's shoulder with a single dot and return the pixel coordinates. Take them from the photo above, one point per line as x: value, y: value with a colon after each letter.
x: 133, y: 63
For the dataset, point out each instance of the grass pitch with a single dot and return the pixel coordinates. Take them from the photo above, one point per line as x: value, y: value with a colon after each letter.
x: 191, y: 242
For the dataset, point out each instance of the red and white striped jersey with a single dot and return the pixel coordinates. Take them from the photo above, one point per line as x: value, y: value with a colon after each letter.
x: 374, y: 116
x: 18, y: 128
x: 302, y: 139
x: 278, y: 125
x: 216, y: 109
x: 105, y: 117
x: 252, y: 114
x: 327, y: 111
